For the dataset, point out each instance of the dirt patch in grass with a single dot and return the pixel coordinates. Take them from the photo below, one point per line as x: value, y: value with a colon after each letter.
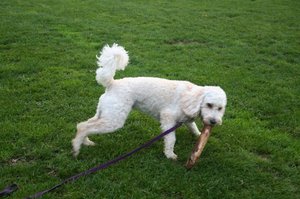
x: 185, y: 42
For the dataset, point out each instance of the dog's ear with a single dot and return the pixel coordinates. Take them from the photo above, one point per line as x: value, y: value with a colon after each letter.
x: 191, y: 101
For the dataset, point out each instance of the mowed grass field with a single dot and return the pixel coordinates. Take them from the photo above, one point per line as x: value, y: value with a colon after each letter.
x: 47, y: 84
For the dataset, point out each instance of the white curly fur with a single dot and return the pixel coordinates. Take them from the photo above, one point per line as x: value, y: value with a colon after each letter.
x: 167, y: 100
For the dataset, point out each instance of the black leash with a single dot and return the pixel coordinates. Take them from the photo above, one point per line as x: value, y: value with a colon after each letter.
x: 105, y: 165
x: 8, y: 190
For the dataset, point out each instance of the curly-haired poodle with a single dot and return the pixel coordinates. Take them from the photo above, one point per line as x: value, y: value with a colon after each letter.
x: 167, y: 100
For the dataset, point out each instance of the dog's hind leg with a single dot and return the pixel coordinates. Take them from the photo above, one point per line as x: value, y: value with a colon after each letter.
x: 109, y: 121
x: 87, y: 141
x: 99, y: 126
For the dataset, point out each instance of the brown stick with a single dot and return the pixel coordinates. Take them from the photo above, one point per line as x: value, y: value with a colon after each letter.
x: 205, y: 133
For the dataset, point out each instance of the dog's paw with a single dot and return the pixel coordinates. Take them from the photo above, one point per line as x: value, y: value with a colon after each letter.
x: 88, y: 142
x: 171, y: 156
x: 75, y: 153
x: 76, y: 148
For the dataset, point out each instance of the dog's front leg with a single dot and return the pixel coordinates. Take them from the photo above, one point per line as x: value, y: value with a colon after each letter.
x: 193, y: 128
x: 168, y: 122
x: 169, y: 141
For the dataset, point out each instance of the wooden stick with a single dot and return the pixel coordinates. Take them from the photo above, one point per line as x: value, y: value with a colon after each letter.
x: 205, y: 133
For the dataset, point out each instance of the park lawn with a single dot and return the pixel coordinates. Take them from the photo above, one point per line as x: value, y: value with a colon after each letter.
x: 47, y: 69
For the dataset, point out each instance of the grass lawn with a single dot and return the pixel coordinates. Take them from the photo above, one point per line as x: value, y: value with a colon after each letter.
x: 47, y: 84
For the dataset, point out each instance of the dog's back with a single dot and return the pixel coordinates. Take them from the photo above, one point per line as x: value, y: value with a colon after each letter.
x: 151, y: 95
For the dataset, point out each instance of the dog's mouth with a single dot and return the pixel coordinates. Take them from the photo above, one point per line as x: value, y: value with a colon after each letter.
x: 211, y: 121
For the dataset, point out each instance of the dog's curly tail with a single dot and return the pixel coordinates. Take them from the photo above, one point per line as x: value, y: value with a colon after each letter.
x: 111, y: 59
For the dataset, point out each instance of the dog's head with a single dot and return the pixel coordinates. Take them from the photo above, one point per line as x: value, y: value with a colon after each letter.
x: 213, y: 105
x: 208, y: 102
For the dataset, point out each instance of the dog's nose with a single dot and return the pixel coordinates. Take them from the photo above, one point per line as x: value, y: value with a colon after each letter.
x: 213, y: 121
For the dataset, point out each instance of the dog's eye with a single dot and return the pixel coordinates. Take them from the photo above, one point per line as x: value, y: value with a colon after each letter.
x: 209, y: 105
x: 220, y: 108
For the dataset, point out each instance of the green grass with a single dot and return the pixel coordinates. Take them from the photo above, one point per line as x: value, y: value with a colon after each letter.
x: 47, y: 68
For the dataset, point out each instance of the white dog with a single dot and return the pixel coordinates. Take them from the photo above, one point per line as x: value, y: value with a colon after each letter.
x: 167, y: 100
